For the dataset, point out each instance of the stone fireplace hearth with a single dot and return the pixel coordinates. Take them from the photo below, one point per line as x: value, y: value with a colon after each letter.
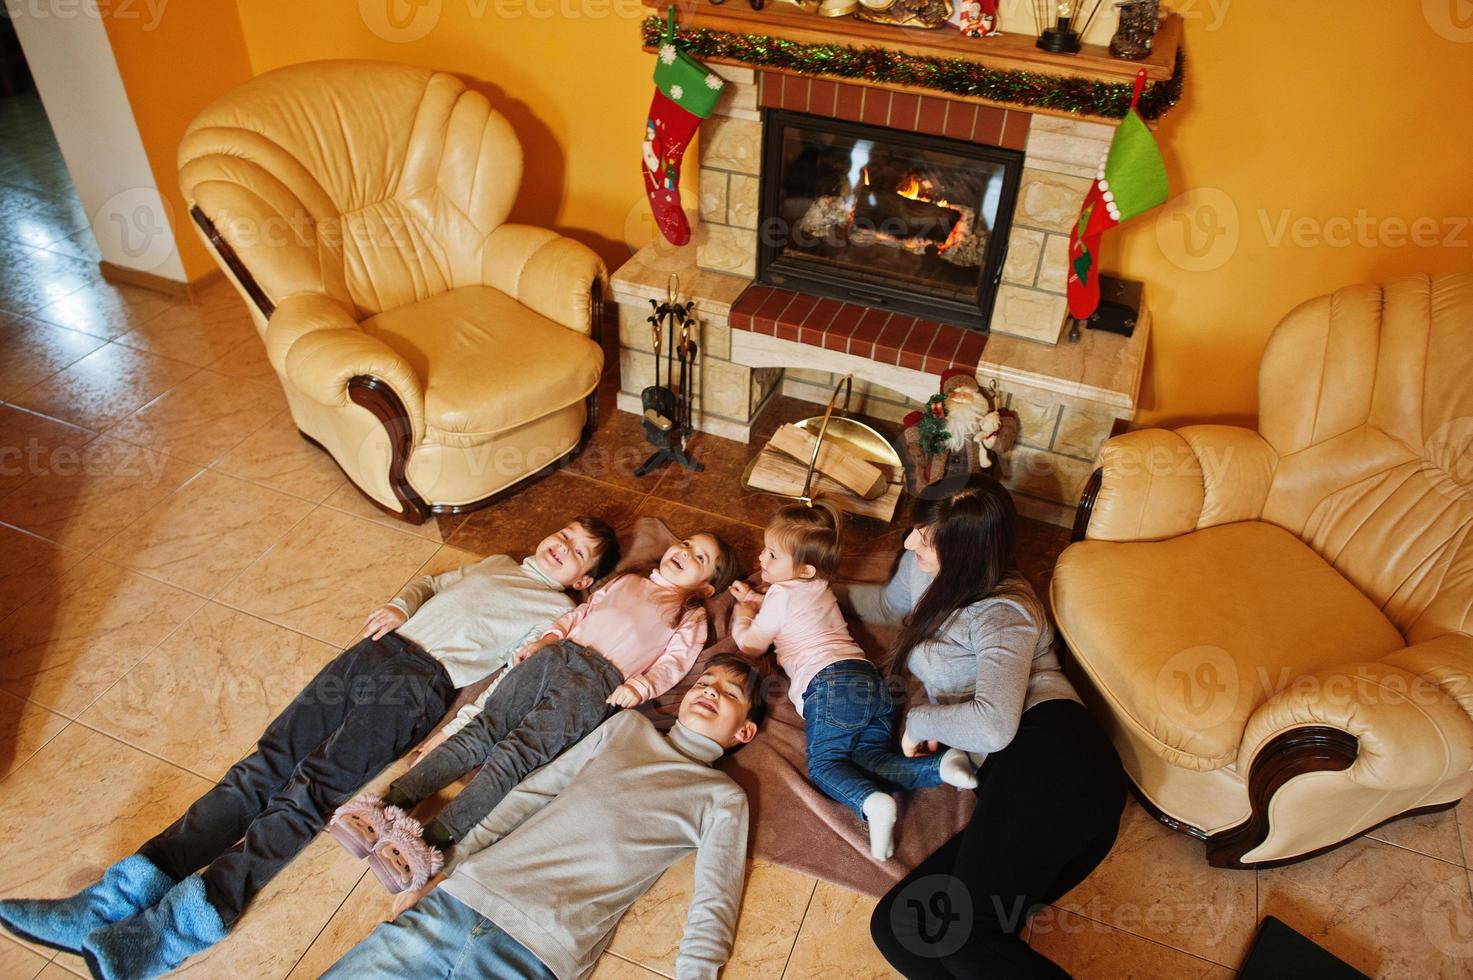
x: 758, y: 340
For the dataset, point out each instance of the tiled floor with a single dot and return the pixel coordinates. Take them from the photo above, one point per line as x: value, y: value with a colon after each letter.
x: 177, y: 561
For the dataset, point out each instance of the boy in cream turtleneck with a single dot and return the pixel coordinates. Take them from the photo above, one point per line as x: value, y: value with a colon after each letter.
x: 536, y: 890
x: 382, y: 695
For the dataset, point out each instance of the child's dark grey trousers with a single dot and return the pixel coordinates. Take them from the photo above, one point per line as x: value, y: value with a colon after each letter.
x: 541, y: 707
x: 360, y: 713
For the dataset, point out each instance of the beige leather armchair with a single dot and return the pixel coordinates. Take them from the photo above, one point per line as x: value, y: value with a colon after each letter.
x: 1275, y: 625
x: 439, y: 354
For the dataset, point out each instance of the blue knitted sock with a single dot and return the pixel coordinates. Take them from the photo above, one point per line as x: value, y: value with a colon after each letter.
x: 128, y: 887
x: 156, y: 940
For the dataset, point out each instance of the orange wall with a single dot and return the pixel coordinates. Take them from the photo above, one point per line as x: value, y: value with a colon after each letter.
x: 1309, y: 111
x: 174, y: 59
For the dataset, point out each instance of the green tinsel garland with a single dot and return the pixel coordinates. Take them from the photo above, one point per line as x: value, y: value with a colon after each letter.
x: 954, y: 76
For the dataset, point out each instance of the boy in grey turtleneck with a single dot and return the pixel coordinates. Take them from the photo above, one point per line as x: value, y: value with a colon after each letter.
x: 536, y: 890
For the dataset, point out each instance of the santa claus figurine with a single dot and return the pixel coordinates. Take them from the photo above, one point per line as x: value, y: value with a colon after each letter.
x: 959, y: 430
x: 976, y: 18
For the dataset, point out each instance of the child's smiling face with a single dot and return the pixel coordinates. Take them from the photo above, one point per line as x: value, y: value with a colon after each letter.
x: 691, y: 564
x: 568, y: 557
x: 716, y: 706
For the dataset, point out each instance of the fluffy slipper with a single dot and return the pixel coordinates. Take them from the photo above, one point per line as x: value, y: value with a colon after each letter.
x: 156, y: 940
x: 130, y: 886
x: 361, y: 823
x: 402, y: 861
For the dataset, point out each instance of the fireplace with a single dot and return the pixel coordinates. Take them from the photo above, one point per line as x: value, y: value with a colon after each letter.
x: 893, y: 220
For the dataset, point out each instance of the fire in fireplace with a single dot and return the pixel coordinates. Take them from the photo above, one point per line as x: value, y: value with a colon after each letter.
x: 885, y: 218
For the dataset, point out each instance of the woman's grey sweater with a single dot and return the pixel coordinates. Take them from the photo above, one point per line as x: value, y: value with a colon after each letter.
x: 989, y: 662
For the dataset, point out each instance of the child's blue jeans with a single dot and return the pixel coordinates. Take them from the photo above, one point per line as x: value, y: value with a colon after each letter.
x: 850, y: 719
x: 439, y: 937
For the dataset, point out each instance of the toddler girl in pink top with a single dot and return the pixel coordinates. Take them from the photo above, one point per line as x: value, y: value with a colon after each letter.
x: 631, y: 641
x: 849, y: 714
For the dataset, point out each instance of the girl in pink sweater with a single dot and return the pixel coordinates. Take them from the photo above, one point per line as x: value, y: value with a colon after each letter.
x: 631, y: 641
x: 849, y: 714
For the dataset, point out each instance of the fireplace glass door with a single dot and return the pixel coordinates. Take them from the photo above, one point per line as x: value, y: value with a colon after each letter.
x: 885, y: 218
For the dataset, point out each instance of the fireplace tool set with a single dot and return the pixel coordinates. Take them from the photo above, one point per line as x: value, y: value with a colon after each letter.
x: 667, y: 406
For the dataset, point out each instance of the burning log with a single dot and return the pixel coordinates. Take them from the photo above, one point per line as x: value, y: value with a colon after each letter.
x: 893, y: 214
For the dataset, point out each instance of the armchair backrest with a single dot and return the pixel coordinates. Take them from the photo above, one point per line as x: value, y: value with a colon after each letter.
x: 374, y: 183
x: 1367, y: 397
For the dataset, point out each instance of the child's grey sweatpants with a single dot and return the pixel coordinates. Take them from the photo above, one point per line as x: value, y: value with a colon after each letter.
x: 541, y: 707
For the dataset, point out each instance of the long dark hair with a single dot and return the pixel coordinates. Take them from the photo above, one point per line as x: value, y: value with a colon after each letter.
x: 974, y: 532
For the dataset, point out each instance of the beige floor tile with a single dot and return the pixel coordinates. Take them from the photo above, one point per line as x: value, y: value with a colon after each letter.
x: 105, y: 310
x: 247, y: 361
x: 19, y: 963
x: 835, y: 939
x: 284, y: 919
x: 611, y: 967
x: 24, y: 727
x: 349, y: 500
x: 31, y: 444
x: 81, y: 803
x: 1084, y: 948
x: 1463, y: 812
x: 772, y: 911
x: 54, y: 971
x: 31, y: 566
x: 40, y: 277
x: 207, y: 532
x: 1433, y: 834
x: 81, y: 498
x: 365, y: 907
x: 277, y: 456
x: 202, y: 697
x: 202, y: 418
x: 1384, y: 910
x: 64, y: 650
x: 32, y: 351
x: 329, y: 572
x: 191, y: 334
x: 1156, y: 883
x: 104, y: 387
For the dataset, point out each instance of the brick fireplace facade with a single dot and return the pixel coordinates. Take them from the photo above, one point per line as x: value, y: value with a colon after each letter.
x: 757, y: 341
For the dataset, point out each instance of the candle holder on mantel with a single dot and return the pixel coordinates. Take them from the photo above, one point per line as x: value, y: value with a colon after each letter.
x: 1062, y: 37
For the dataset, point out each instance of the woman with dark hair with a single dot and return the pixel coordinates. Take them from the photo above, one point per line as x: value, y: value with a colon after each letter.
x: 1050, y: 790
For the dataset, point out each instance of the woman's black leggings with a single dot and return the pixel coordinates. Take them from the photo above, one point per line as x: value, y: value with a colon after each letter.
x: 1048, y: 810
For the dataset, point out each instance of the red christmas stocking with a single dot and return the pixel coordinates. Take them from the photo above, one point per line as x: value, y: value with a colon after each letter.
x: 685, y: 93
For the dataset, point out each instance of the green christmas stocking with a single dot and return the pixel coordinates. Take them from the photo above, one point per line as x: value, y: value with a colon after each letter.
x: 1132, y: 180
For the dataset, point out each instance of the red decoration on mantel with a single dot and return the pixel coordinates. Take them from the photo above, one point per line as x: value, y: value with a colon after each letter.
x: 890, y: 338
x: 898, y: 110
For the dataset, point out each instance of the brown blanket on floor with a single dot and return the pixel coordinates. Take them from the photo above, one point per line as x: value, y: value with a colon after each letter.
x: 793, y: 824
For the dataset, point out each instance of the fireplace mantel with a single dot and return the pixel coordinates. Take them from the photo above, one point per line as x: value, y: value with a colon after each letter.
x: 1004, y: 52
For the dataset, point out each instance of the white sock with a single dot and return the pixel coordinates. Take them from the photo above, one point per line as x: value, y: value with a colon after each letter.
x: 956, y: 769
x: 879, y: 811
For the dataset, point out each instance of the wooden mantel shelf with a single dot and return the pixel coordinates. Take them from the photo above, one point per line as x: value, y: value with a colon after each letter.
x: 1006, y: 52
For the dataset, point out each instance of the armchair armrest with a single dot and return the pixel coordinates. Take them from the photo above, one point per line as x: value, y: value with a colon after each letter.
x: 1409, y: 732
x: 1158, y: 483
x: 318, y: 347
x: 545, y: 272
